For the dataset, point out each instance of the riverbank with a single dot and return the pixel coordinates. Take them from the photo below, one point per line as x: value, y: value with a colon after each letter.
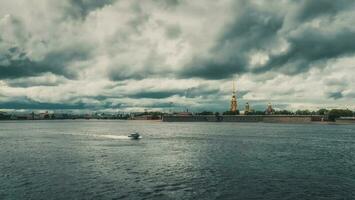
x: 244, y: 118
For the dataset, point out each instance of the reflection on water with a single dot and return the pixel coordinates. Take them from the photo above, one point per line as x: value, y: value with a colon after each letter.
x: 96, y: 160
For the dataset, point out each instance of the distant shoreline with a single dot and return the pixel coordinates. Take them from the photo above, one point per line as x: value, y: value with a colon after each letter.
x: 158, y: 121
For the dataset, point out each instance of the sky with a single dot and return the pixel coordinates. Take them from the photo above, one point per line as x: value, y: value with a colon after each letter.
x: 131, y: 55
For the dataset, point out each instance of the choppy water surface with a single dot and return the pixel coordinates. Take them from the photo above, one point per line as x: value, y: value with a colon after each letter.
x: 95, y: 160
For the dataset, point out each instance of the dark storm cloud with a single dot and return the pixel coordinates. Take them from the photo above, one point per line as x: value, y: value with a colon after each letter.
x: 311, y: 46
x: 91, y: 40
x: 335, y: 95
x: 121, y: 73
x: 252, y: 29
x: 29, y: 82
x: 25, y: 68
x: 26, y: 103
x: 15, y: 53
x: 213, y: 68
x: 169, y: 3
x: 242, y: 93
x: 79, y: 9
x: 16, y: 64
x: 30, y: 104
x: 312, y: 9
x: 154, y: 95
x: 189, y: 93
x: 259, y: 29
x: 165, y: 105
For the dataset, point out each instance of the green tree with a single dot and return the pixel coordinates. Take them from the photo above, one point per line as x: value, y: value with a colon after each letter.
x: 283, y: 112
x: 303, y: 112
x: 322, y: 111
x: 336, y: 113
x: 205, y: 113
x: 231, y: 113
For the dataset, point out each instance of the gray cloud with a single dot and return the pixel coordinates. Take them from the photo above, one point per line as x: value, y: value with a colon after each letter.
x: 173, y: 31
x: 154, y: 95
x: 37, y: 105
x: 56, y: 62
x: 24, y: 54
x: 107, y: 54
x: 79, y: 9
x: 335, y: 82
x: 311, y: 46
x: 252, y: 29
x: 189, y: 93
x: 45, y: 80
x: 169, y: 3
x: 335, y: 95
x: 260, y: 29
x: 312, y: 9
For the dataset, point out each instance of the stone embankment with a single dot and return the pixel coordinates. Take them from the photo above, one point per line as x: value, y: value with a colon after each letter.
x: 244, y: 118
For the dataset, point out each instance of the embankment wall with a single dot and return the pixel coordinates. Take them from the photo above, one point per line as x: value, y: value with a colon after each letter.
x: 243, y: 118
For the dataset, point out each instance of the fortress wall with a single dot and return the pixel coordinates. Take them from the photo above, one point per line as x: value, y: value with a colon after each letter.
x: 241, y: 118
x: 189, y: 118
x: 287, y: 119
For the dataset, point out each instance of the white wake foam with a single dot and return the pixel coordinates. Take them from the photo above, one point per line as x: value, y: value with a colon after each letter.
x: 118, y: 137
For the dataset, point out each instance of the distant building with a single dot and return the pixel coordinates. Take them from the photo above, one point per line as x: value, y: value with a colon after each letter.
x: 269, y: 110
x: 146, y: 117
x: 44, y: 115
x: 183, y: 113
x: 19, y: 116
x: 234, y: 103
x: 247, y: 108
x: 143, y: 117
x: 4, y: 116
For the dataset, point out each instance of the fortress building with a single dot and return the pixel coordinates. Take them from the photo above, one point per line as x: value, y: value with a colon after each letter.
x: 269, y: 110
x: 234, y: 103
x: 247, y: 108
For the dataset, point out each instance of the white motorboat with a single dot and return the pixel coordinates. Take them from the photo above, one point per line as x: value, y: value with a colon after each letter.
x: 134, y: 135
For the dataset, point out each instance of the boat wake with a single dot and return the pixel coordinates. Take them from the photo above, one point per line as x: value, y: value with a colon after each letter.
x: 109, y: 136
x: 117, y: 137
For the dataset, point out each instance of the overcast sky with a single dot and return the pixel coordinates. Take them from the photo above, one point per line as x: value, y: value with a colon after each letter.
x: 130, y: 55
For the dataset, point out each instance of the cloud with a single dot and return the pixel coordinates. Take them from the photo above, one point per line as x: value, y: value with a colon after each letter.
x: 32, y: 105
x: 335, y: 95
x: 311, y: 9
x: 311, y: 46
x: 162, y: 54
x: 173, y: 31
x: 56, y: 62
x: 291, y: 45
x: 79, y: 9
x: 192, y: 92
x: 22, y: 54
x: 251, y: 29
x: 43, y: 80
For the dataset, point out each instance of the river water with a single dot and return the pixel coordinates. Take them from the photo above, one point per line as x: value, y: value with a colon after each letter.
x: 96, y: 160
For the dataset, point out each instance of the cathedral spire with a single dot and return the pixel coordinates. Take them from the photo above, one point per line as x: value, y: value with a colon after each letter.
x: 234, y: 104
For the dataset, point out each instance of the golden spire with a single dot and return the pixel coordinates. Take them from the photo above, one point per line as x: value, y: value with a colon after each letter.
x: 234, y: 104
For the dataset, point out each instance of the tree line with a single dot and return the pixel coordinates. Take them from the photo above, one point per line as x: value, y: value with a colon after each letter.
x: 331, y: 114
